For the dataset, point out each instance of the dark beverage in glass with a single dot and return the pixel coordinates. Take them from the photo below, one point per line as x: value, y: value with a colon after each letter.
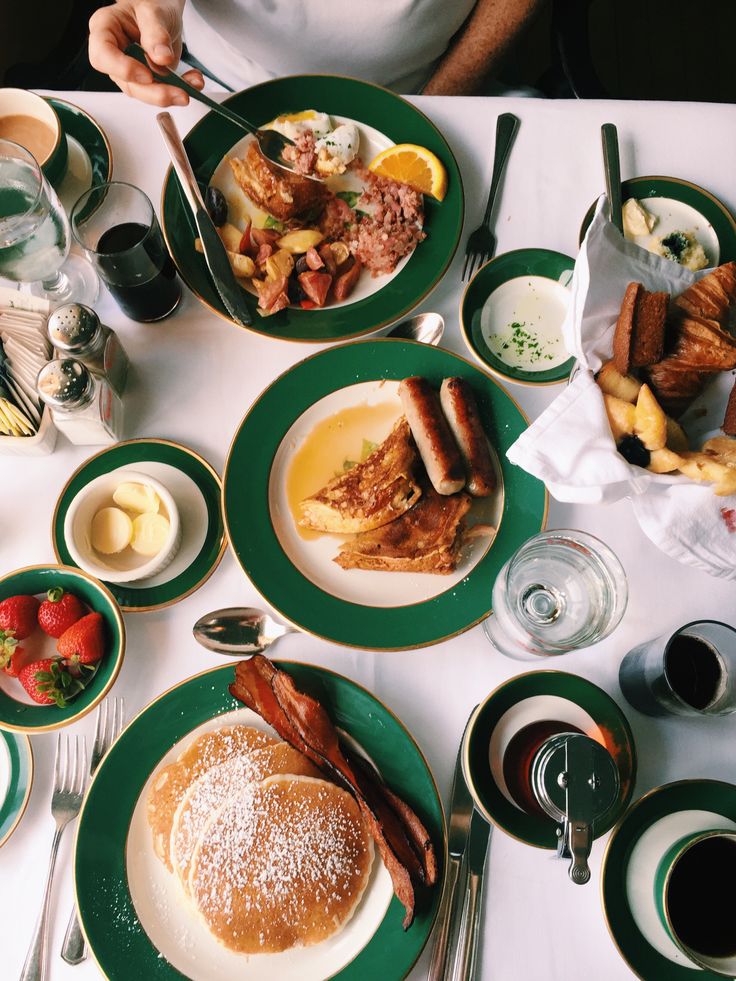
x: 700, y: 913
x: 690, y: 672
x: 116, y: 225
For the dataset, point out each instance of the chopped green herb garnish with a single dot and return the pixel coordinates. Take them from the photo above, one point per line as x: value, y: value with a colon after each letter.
x: 271, y: 222
x: 349, y: 197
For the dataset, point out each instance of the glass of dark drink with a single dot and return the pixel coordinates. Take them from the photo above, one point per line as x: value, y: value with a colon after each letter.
x: 689, y: 672
x: 117, y: 227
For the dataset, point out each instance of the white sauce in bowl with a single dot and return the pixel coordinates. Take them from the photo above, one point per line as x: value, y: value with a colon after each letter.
x: 520, y: 322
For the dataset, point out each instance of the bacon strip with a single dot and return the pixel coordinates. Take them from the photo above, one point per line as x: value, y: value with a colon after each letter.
x: 402, y: 840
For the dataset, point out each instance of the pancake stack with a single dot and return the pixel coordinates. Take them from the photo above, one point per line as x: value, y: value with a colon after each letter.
x: 270, y: 855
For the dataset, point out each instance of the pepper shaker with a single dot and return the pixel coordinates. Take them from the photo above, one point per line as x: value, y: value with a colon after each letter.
x: 77, y: 332
x: 83, y: 405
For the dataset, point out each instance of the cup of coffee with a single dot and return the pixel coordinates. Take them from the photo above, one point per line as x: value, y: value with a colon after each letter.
x: 692, y: 895
x: 691, y: 671
x: 30, y: 121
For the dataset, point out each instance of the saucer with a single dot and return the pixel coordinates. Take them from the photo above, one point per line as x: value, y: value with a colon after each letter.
x: 528, y: 698
x: 195, y: 487
x: 90, y: 154
x: 511, y: 313
x: 638, y: 843
x: 16, y: 779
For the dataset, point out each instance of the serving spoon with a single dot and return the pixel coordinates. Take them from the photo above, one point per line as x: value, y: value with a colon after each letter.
x: 424, y: 327
x: 272, y: 144
x: 238, y: 630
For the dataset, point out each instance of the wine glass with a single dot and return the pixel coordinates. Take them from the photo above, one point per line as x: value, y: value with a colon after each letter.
x: 562, y: 590
x: 34, y: 233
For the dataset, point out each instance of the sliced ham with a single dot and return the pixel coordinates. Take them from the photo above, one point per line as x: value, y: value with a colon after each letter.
x: 316, y: 285
x: 269, y: 291
x: 264, y: 236
x: 314, y: 259
x: 345, y: 283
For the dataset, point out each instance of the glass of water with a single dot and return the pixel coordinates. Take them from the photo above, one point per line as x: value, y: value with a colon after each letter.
x: 562, y: 590
x: 34, y: 233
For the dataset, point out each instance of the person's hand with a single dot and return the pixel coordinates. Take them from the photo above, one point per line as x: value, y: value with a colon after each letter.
x: 156, y: 25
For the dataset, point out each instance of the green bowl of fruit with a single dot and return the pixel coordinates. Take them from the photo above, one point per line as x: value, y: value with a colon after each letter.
x: 62, y: 641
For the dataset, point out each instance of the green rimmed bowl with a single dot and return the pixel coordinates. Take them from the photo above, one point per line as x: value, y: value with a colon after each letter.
x: 212, y: 137
x: 477, y: 308
x: 258, y: 548
x: 199, y: 492
x: 19, y: 756
x: 555, y: 696
x: 100, y: 867
x: 85, y: 137
x: 715, y: 213
x: 636, y: 846
x: 24, y: 716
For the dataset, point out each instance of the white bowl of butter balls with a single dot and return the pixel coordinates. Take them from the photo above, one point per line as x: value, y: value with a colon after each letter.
x: 123, y: 527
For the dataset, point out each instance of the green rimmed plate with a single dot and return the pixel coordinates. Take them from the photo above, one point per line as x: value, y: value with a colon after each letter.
x: 17, y: 712
x: 516, y: 304
x: 16, y: 780
x: 195, y: 487
x: 104, y: 861
x: 541, y: 696
x: 90, y: 154
x: 637, y: 843
x: 375, y: 107
x: 374, y: 610
x: 682, y: 205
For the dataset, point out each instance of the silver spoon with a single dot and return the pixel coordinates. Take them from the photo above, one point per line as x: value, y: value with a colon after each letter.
x: 424, y: 327
x: 272, y: 144
x: 238, y: 630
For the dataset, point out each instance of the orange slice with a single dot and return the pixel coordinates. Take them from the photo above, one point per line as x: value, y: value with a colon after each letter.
x: 413, y: 165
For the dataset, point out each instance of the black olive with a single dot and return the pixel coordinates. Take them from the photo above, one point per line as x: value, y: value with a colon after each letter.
x: 294, y: 290
x: 634, y: 451
x: 301, y: 265
x: 216, y: 205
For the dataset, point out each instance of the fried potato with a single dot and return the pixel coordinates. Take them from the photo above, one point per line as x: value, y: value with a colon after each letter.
x: 677, y: 440
x: 611, y: 382
x: 664, y: 461
x: 242, y: 265
x: 230, y: 236
x: 621, y: 416
x: 650, y: 422
x: 300, y: 240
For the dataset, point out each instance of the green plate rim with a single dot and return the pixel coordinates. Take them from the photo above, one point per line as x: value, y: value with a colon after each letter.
x: 325, y: 325
x: 147, y: 598
x: 122, y: 797
x: 711, y: 207
x: 37, y: 579
x: 286, y: 589
x: 77, y: 122
x: 536, y: 830
x: 13, y: 806
x: 646, y: 962
x: 470, y: 330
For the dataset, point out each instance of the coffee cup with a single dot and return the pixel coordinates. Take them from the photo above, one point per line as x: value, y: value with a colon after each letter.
x: 691, y: 892
x: 31, y: 121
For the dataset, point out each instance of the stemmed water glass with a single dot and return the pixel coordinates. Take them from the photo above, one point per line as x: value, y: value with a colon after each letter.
x: 34, y: 233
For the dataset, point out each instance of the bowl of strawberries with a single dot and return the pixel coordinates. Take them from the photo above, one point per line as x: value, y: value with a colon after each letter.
x: 62, y: 641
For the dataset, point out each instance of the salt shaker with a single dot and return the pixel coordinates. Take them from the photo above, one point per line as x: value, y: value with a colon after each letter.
x: 77, y: 332
x: 83, y: 405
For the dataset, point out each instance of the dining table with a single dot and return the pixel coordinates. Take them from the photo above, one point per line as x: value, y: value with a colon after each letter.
x: 193, y: 378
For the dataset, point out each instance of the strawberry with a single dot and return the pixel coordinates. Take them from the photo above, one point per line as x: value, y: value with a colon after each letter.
x: 12, y: 666
x: 19, y: 614
x: 83, y: 642
x: 57, y: 613
x: 49, y: 681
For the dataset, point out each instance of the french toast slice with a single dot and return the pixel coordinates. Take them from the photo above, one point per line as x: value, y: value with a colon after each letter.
x: 372, y: 493
x: 427, y: 538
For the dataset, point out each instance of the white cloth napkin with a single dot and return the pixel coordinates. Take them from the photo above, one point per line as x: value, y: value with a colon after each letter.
x: 570, y: 446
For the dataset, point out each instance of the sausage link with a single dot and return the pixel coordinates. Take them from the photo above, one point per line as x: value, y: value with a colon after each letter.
x: 461, y: 411
x: 435, y: 442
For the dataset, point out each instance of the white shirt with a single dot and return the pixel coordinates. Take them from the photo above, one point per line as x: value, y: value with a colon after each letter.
x: 395, y: 43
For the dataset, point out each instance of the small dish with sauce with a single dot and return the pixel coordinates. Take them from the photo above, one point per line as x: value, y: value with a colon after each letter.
x: 122, y: 527
x: 512, y: 312
x: 32, y: 122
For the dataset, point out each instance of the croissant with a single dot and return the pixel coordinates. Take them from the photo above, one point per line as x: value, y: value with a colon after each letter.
x: 697, y: 344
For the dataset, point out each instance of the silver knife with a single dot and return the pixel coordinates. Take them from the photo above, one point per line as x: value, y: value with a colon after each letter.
x: 612, y: 167
x: 460, y: 814
x: 215, y: 253
x: 467, y: 946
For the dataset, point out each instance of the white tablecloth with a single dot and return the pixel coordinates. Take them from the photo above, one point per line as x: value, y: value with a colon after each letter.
x: 194, y: 378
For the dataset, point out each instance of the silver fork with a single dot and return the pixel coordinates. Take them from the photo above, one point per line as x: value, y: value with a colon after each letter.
x: 482, y: 242
x: 108, y: 726
x: 70, y: 774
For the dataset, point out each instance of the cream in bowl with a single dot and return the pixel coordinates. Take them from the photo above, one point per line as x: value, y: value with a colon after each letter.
x: 123, y: 527
x: 30, y: 121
